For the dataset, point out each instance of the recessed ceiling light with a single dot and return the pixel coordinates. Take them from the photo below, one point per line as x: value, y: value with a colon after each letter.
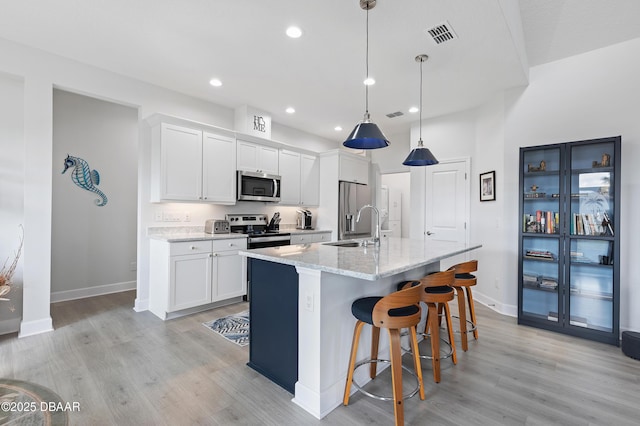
x: 413, y: 110
x: 290, y: 110
x: 215, y: 82
x: 294, y: 32
x: 337, y: 128
x: 369, y: 81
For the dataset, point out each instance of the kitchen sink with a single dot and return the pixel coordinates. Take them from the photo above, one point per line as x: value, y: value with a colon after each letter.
x: 346, y: 244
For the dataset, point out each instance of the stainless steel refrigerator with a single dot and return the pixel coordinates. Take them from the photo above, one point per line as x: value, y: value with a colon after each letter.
x: 352, y: 196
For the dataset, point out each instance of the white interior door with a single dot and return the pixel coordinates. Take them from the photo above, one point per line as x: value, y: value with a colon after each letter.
x: 447, y: 199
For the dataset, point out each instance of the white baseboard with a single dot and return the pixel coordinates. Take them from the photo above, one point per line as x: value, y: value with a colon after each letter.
x: 141, y: 305
x: 81, y: 293
x: 501, y: 308
x: 30, y: 328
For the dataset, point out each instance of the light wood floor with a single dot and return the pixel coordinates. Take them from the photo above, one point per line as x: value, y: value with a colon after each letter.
x: 127, y: 368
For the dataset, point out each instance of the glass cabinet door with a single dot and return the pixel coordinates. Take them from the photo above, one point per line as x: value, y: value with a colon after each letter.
x: 541, y: 191
x: 592, y: 229
x: 541, y: 186
x: 540, y: 272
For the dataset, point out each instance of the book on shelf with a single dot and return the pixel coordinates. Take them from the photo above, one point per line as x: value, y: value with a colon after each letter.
x: 578, y: 321
x: 549, y: 283
x: 590, y: 224
x: 530, y: 280
x: 543, y: 222
x: 552, y: 316
x: 539, y: 254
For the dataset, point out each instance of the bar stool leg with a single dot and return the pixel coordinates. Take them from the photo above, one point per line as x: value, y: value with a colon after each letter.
x: 416, y: 360
x: 352, y: 361
x: 472, y: 312
x: 463, y: 317
x: 434, y: 329
x: 447, y: 311
x: 396, y: 375
x: 375, y: 339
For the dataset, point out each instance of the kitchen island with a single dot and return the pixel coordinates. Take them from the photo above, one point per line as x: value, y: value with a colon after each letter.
x: 300, y: 307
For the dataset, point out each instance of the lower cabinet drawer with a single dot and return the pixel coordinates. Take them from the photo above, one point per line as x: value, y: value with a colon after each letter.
x: 190, y: 247
x: 230, y: 244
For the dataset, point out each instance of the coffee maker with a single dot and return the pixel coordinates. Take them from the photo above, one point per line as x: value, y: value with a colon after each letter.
x: 303, y: 220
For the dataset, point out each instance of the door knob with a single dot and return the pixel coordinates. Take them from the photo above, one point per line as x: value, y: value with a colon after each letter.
x: 429, y: 233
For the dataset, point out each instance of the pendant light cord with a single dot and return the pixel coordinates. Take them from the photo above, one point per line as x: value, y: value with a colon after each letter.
x: 420, y: 123
x: 366, y: 86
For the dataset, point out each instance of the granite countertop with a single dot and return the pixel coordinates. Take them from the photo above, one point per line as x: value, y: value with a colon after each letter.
x: 395, y: 255
x: 174, y: 234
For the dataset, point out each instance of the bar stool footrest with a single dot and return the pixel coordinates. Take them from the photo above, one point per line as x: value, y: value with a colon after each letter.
x: 473, y: 327
x: 380, y: 397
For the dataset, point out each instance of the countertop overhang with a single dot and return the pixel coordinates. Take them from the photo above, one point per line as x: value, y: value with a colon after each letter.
x: 394, y: 256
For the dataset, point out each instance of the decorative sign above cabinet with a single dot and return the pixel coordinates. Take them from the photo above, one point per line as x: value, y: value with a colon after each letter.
x: 252, y: 121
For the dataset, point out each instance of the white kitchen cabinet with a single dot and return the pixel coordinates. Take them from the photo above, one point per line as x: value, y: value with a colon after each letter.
x: 190, y: 282
x: 386, y: 233
x: 353, y: 168
x: 290, y: 183
x: 300, y: 185
x: 229, y: 277
x: 193, y: 274
x: 309, y: 237
x: 218, y: 171
x: 192, y: 165
x: 257, y: 158
x: 310, y: 180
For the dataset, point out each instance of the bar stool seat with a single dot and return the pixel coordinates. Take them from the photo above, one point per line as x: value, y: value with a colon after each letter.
x: 437, y: 293
x: 464, y: 280
x: 393, y: 312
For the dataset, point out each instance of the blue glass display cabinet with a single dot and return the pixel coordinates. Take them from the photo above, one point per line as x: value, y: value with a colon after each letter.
x: 569, y: 244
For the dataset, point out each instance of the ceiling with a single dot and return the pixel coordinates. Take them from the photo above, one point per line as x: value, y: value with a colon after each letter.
x: 181, y: 45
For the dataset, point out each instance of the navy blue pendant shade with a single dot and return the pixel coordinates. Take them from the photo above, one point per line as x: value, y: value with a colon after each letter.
x: 366, y: 135
x: 420, y: 156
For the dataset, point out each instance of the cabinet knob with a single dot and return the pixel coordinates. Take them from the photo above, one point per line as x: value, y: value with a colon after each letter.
x: 192, y: 247
x: 210, y: 254
x: 231, y: 244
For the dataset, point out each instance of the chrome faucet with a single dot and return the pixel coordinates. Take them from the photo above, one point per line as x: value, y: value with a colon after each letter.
x: 376, y: 238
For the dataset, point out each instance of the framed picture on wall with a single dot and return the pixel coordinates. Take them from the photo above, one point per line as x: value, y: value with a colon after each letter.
x: 488, y: 186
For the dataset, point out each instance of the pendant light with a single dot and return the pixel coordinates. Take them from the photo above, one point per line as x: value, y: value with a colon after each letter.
x: 420, y: 156
x: 366, y: 135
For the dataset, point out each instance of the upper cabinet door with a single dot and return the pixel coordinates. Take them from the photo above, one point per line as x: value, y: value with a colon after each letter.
x: 181, y: 163
x: 218, y: 168
x: 257, y: 158
x: 309, y: 180
x: 290, y: 173
x: 354, y: 169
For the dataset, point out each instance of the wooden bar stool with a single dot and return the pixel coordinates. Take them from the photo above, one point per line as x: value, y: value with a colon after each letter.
x: 464, y: 280
x: 437, y: 294
x: 395, y: 311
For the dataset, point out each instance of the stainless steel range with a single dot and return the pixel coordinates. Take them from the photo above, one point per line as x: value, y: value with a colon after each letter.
x: 261, y: 232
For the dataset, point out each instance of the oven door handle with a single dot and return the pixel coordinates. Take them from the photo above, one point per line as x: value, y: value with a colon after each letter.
x: 268, y: 239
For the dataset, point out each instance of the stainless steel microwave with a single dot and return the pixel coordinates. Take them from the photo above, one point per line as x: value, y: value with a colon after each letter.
x: 258, y: 187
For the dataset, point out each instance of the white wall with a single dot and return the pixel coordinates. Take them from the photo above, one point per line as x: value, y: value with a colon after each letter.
x: 11, y: 193
x: 93, y: 246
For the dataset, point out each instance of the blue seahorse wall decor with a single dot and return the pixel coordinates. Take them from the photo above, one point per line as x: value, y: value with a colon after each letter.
x: 84, y: 177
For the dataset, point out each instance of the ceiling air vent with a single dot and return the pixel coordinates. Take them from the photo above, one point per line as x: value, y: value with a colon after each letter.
x: 394, y: 114
x: 442, y: 33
